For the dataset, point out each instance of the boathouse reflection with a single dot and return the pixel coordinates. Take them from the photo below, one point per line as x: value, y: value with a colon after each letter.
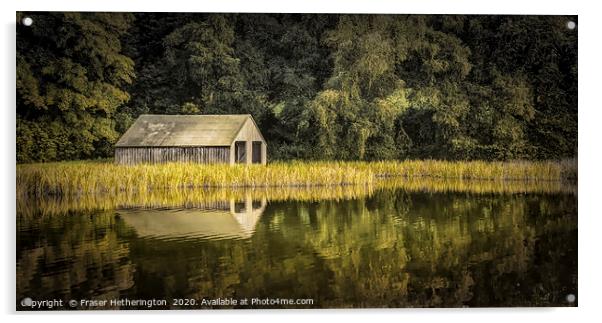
x: 211, y: 220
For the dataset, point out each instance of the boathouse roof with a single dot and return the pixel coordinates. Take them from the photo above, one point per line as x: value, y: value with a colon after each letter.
x: 183, y: 130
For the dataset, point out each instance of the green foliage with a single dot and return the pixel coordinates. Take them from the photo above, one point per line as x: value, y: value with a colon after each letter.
x: 70, y: 79
x: 335, y: 87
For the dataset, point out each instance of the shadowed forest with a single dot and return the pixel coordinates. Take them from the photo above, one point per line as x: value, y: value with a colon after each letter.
x: 328, y: 87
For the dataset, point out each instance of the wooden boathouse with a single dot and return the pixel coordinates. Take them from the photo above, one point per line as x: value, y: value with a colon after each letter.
x: 205, y: 139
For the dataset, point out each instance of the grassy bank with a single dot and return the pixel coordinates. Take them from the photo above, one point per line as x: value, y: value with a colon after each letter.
x: 70, y: 178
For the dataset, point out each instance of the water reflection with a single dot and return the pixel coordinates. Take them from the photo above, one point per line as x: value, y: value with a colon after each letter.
x: 388, y: 248
x: 197, y: 198
x: 73, y: 256
x: 214, y: 220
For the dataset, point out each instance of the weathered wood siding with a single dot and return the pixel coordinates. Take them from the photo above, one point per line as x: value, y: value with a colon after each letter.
x: 156, y: 155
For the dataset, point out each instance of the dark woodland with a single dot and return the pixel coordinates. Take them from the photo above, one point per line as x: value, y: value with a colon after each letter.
x: 321, y: 87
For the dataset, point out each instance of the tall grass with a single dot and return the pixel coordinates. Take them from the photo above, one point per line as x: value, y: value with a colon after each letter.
x: 82, y: 177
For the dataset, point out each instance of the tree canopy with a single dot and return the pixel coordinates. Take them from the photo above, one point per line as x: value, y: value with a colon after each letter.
x: 320, y: 86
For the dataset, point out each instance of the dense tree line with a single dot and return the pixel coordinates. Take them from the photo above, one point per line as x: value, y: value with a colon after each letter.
x: 352, y: 87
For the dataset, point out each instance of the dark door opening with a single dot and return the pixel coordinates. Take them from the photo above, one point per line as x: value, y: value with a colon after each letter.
x: 240, y: 207
x: 256, y: 152
x: 240, y: 151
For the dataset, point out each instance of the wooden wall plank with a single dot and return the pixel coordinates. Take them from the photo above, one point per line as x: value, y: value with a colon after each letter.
x: 157, y: 155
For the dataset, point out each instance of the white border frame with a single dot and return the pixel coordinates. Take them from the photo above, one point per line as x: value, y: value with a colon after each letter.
x: 589, y: 153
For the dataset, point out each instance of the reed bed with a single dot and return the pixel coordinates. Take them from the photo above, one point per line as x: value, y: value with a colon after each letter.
x: 479, y: 170
x: 91, y: 177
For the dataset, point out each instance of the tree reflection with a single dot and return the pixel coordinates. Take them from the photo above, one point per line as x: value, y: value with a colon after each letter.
x: 390, y: 249
x: 72, y: 257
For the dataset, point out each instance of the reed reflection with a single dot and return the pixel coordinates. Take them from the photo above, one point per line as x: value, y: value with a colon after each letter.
x: 388, y: 247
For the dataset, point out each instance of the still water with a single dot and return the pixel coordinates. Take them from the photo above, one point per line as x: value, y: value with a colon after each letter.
x: 390, y: 247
